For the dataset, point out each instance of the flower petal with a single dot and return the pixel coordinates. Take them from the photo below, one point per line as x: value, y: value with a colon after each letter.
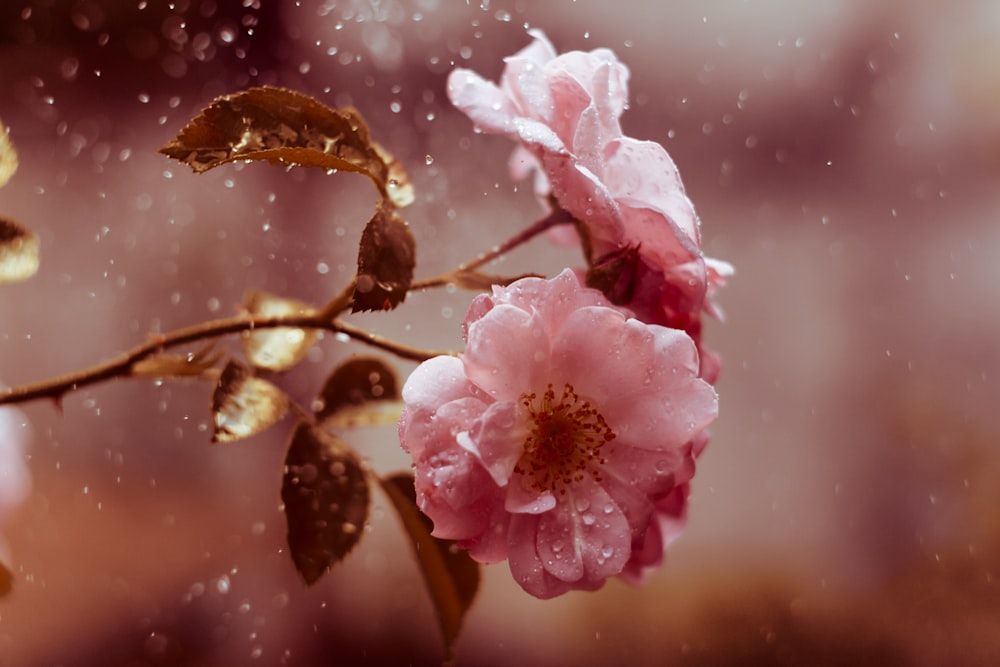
x: 580, y: 546
x: 482, y: 101
x: 504, y: 334
x: 497, y: 438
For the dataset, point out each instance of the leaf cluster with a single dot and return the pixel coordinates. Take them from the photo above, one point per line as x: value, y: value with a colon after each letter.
x: 326, y: 488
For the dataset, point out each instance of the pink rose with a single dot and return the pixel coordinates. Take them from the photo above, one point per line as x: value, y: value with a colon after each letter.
x: 639, y: 230
x: 553, y: 438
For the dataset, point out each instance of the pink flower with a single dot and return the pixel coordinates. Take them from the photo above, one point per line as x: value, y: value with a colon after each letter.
x: 639, y: 230
x: 15, y: 480
x: 553, y: 437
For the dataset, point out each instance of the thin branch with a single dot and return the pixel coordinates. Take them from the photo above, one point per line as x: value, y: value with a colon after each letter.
x: 557, y: 217
x: 122, y: 365
x: 399, y: 349
x: 340, y: 303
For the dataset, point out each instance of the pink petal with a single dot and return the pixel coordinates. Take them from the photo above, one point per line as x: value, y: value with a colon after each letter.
x: 503, y: 334
x: 523, y: 498
x: 539, y: 137
x: 434, y: 383
x: 561, y: 296
x: 497, y: 438
x: 15, y: 477
x: 603, y: 354
x: 641, y: 174
x: 482, y: 101
x: 525, y: 565
x: 490, y: 546
x: 584, y: 545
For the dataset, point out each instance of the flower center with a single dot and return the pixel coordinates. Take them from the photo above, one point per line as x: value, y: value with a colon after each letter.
x: 565, y: 440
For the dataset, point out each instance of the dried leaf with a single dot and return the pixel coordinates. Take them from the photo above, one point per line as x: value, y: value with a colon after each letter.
x: 8, y: 156
x: 355, y: 383
x: 452, y: 576
x: 400, y: 188
x: 282, y: 126
x: 6, y: 580
x: 479, y: 282
x: 386, y: 259
x: 325, y: 492
x: 18, y: 252
x: 281, y: 348
x: 191, y: 365
x: 243, y: 405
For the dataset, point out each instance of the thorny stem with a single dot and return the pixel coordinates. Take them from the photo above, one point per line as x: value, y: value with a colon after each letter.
x: 122, y: 366
x: 557, y: 217
x: 340, y: 303
x: 325, y: 319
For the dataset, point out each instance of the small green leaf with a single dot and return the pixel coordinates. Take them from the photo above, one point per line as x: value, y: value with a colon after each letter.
x: 282, y: 126
x: 386, y: 258
x: 280, y: 348
x: 452, y: 576
x: 18, y: 252
x: 243, y: 405
x: 355, y: 383
x: 325, y: 492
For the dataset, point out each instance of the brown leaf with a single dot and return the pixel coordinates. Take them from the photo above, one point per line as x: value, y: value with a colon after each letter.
x: 18, y: 252
x: 8, y: 156
x: 452, y: 576
x: 355, y: 383
x: 386, y: 259
x: 483, y: 282
x: 280, y: 348
x: 400, y: 188
x: 6, y: 580
x: 325, y: 492
x: 243, y: 405
x: 283, y: 126
x: 191, y: 365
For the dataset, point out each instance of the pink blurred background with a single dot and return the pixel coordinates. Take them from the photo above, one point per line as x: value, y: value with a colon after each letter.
x: 842, y: 155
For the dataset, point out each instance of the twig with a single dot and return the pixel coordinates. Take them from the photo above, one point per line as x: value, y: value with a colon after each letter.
x: 121, y: 366
x: 557, y: 217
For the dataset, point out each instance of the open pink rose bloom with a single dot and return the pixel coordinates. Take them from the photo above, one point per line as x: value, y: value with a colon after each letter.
x: 562, y: 439
x: 639, y: 230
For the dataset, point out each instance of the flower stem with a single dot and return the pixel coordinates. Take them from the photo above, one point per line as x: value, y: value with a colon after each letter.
x: 122, y: 365
x: 557, y: 217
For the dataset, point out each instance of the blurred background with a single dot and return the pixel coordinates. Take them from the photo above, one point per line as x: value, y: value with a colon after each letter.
x: 843, y: 155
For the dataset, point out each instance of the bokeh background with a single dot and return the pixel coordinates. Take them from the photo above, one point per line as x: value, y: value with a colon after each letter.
x: 843, y: 155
